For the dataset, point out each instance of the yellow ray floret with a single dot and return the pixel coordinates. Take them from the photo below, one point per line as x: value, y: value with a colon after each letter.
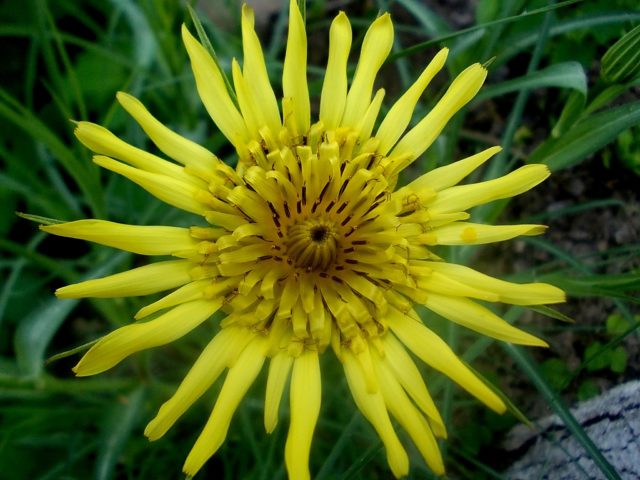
x: 305, y: 408
x: 376, y: 46
x: 334, y: 88
x: 213, y: 91
x: 254, y: 68
x: 139, y: 281
x: 169, y: 142
x: 132, y: 238
x: 240, y: 377
x: 294, y: 75
x: 116, y: 346
x: 218, y: 355
x: 399, y: 116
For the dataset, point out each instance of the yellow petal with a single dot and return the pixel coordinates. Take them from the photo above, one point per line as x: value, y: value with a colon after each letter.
x: 462, y: 197
x: 409, y: 417
x: 178, y: 193
x: 213, y: 92
x: 449, y: 175
x: 398, y: 118
x: 119, y: 344
x: 254, y: 68
x: 279, y: 368
x: 334, y: 88
x: 169, y: 142
x: 227, y: 344
x: 436, y: 282
x: 420, y: 137
x: 305, y: 407
x: 409, y: 376
x: 294, y: 75
x: 131, y: 238
x: 432, y: 350
x: 238, y: 381
x: 365, y: 126
x: 373, y: 408
x: 376, y: 46
x: 514, y: 293
x: 467, y: 233
x: 102, y: 141
x: 138, y: 281
x: 248, y: 108
x: 476, y: 317
x: 186, y: 293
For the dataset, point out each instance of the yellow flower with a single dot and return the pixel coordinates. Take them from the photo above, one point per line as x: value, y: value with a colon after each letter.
x: 308, y: 245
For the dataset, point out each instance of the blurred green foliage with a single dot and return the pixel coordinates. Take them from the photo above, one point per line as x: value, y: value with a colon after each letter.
x: 64, y: 60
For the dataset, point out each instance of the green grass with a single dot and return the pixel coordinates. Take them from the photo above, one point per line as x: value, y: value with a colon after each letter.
x: 67, y: 61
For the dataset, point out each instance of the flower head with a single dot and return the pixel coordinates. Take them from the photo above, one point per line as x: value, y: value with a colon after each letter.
x: 307, y: 245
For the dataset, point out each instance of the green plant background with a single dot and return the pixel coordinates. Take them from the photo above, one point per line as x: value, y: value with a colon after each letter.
x: 545, y: 101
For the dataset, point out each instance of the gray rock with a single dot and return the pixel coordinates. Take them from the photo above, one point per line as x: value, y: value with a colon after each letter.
x: 612, y: 420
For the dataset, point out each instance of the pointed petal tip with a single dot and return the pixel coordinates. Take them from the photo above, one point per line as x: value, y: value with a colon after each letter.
x: 150, y: 431
x: 187, y: 37
x: 64, y: 292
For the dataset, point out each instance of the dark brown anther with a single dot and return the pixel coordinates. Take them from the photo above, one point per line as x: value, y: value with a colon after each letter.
x: 324, y: 190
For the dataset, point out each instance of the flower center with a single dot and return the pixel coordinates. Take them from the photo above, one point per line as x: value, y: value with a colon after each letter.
x: 311, y: 244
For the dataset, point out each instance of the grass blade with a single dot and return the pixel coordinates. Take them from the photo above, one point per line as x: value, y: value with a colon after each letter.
x: 519, y: 355
x: 121, y: 420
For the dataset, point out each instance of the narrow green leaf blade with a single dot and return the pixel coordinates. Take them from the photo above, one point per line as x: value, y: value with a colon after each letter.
x: 586, y: 137
x: 122, y: 419
x: 562, y: 75
x: 621, y: 63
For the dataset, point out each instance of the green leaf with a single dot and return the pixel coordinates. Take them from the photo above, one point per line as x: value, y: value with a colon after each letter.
x: 513, y: 46
x: 39, y: 219
x: 571, y: 112
x: 123, y: 417
x: 597, y: 357
x: 617, y: 324
x: 551, y: 313
x: 514, y: 18
x: 618, y: 360
x: 85, y: 174
x: 556, y: 372
x: 69, y: 353
x: 621, y: 62
x: 586, y: 137
x: 562, y: 75
x: 432, y: 23
x: 605, y: 97
x: 511, y: 407
x: 614, y: 286
x: 35, y: 332
x: 587, y: 389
